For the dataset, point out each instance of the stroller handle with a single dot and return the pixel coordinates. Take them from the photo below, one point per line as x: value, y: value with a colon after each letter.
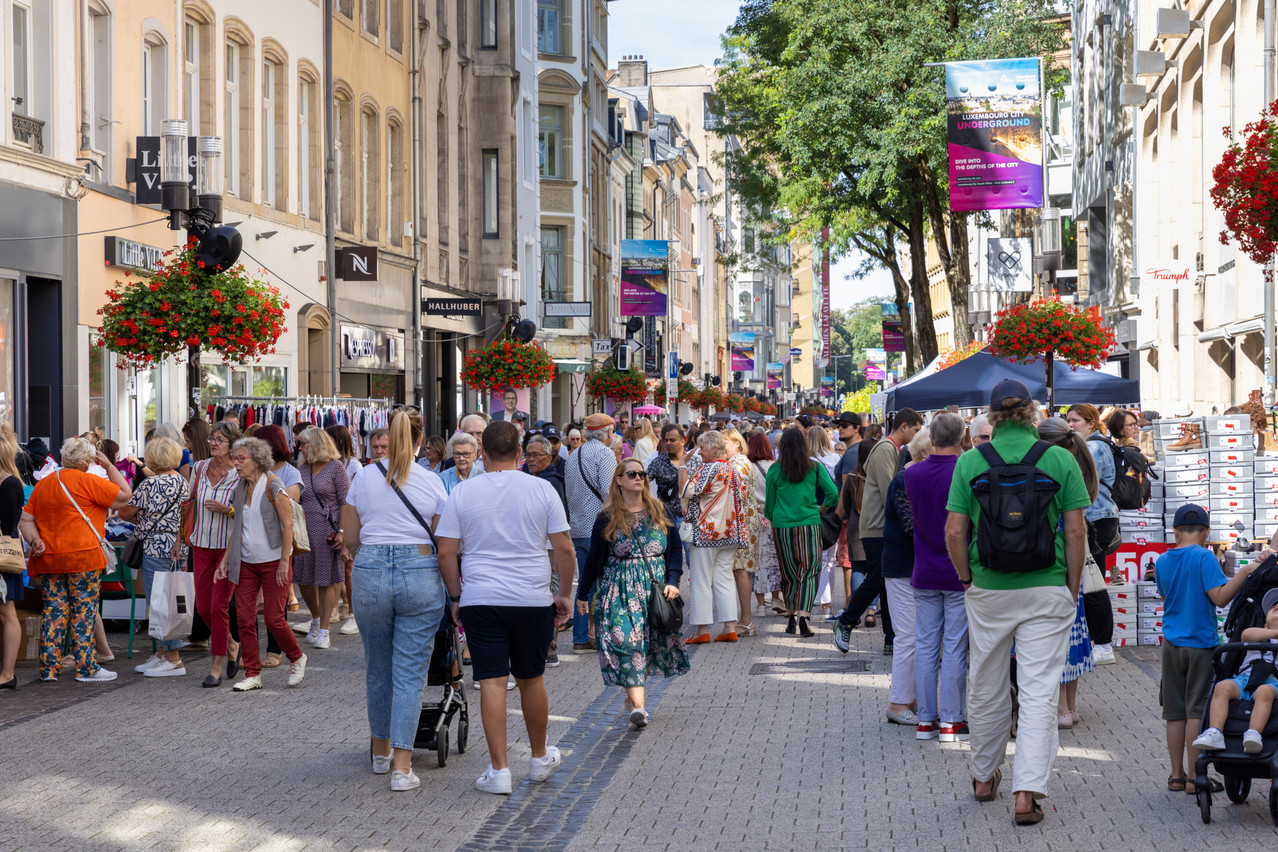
x: 1243, y: 646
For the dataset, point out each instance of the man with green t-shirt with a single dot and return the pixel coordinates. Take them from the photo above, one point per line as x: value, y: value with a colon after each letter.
x: 1034, y: 609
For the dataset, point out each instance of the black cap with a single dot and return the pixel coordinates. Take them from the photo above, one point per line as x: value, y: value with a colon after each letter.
x: 551, y: 431
x: 519, y: 415
x: 1007, y: 390
x: 1191, y: 515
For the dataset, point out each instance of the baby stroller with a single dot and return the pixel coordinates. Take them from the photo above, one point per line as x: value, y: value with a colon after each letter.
x: 445, y: 671
x: 1235, y: 765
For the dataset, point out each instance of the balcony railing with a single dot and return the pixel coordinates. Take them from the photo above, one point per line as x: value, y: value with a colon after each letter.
x: 29, y: 131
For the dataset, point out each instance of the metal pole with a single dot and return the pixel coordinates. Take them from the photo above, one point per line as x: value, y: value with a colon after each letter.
x: 330, y: 193
x: 1269, y: 265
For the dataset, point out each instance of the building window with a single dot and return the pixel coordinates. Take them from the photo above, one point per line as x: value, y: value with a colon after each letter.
x: 305, y: 92
x: 99, y: 63
x: 369, y: 174
x: 20, y: 51
x: 551, y: 141
x: 395, y: 25
x: 553, y: 285
x: 343, y: 118
x: 346, y: 8
x: 490, y: 192
x: 231, y: 125
x: 368, y: 20
x: 155, y: 88
x: 550, y: 21
x: 191, y: 76
x: 488, y: 23
x: 268, y: 132
x: 394, y: 183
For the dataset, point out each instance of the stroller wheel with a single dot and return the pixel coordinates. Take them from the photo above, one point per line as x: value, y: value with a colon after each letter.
x: 463, y: 730
x: 1237, y: 789
x: 441, y: 746
x: 1204, y: 804
x: 1273, y: 802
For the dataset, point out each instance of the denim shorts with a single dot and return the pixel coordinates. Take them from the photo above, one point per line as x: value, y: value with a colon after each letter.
x: 1241, y: 680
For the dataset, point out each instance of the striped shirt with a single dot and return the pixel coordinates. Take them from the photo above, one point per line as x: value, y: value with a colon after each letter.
x: 210, y: 529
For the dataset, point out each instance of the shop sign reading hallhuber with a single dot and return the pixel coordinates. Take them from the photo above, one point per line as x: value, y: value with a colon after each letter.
x: 370, y: 349
x: 122, y: 252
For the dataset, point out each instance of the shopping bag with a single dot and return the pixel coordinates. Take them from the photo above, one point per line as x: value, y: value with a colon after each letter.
x: 172, y: 605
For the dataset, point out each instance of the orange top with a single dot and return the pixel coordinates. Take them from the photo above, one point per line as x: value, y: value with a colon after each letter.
x: 70, y: 547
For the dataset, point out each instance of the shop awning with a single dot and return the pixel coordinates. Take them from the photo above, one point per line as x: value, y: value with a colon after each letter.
x: 1232, y: 329
x: 572, y: 365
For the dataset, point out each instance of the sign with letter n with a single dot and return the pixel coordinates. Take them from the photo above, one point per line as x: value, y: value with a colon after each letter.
x: 357, y: 263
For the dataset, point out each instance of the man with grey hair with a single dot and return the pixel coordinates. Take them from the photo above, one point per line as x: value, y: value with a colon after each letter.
x: 588, y: 476
x: 539, y: 461
x: 981, y: 430
x: 472, y: 425
x: 938, y: 595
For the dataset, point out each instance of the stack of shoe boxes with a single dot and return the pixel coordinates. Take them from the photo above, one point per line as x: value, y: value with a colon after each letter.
x: 1227, y: 440
x: 1266, y: 491
x: 1183, y: 468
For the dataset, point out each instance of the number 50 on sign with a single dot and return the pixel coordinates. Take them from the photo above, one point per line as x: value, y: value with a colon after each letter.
x: 1132, y: 560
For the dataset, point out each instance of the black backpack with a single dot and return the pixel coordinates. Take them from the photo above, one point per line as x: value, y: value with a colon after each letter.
x: 1132, y: 475
x: 1015, y: 533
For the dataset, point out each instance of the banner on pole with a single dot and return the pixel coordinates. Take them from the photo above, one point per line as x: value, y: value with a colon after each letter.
x: 825, y: 298
x: 994, y: 111
x: 645, y: 276
x: 827, y: 386
x: 742, y: 344
x: 775, y: 369
x: 893, y: 333
x: 876, y: 365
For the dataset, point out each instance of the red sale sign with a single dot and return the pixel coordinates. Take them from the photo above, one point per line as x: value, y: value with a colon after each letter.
x: 1133, y: 560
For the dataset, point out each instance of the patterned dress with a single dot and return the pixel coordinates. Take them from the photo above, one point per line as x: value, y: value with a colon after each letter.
x: 1079, y: 660
x: 323, y: 495
x: 767, y: 577
x: 747, y: 556
x: 628, y: 650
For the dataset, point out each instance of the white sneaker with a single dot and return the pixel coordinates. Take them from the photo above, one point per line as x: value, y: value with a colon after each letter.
x: 101, y: 676
x: 314, y: 632
x: 494, y: 781
x: 155, y: 660
x: 381, y: 764
x: 166, y: 668
x: 541, y: 768
x: 321, y: 640
x: 297, y: 671
x: 404, y: 781
x: 349, y: 627
x: 510, y: 682
x: 1210, y: 740
x: 1252, y: 743
x: 248, y: 683
x: 1103, y: 655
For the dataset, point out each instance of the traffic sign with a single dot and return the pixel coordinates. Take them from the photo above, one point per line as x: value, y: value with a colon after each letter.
x: 672, y: 391
x: 566, y: 309
x: 601, y: 346
x: 672, y: 369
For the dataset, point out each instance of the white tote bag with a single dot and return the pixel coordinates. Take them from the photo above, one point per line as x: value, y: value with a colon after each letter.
x: 172, y: 605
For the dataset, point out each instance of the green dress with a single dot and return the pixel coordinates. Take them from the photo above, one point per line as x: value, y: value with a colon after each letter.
x: 628, y: 650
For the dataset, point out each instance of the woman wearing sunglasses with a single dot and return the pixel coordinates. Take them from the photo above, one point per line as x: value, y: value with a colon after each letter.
x: 632, y: 545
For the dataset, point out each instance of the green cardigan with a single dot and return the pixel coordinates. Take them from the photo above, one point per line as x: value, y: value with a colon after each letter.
x: 794, y: 504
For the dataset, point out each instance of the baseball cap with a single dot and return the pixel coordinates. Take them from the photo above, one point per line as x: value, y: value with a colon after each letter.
x: 519, y: 415
x: 551, y: 431
x: 1271, y: 598
x: 842, y: 420
x: 1190, y: 515
x: 1006, y: 390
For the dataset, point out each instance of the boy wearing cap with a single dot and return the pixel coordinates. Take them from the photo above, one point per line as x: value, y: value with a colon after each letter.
x: 1191, y: 582
x: 1237, y: 687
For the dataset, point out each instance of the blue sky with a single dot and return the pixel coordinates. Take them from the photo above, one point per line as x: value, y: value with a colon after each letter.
x: 672, y: 33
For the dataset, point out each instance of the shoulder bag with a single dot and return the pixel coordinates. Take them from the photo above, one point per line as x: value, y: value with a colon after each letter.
x: 581, y: 466
x: 301, y: 538
x: 107, y: 550
x: 664, y: 615
x: 12, y: 559
x: 831, y: 523
x: 131, y: 554
x: 413, y: 509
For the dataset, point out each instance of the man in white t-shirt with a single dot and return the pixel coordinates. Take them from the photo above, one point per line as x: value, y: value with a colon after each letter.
x: 502, y: 519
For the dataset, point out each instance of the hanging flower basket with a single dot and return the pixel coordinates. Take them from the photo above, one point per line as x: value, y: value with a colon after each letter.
x: 949, y: 359
x: 752, y: 405
x: 1245, y: 188
x: 812, y: 409
x: 709, y: 396
x: 507, y: 363
x: 767, y: 409
x: 180, y: 309
x: 626, y: 386
x: 1028, y: 332
x: 735, y: 403
x: 687, y: 390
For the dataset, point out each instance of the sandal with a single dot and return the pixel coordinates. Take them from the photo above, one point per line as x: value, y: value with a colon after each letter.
x: 1176, y: 785
x: 1212, y: 784
x: 869, y: 619
x: 993, y: 782
x: 1030, y: 817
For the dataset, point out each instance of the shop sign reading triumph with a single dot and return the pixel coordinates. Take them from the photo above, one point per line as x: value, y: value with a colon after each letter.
x: 370, y: 349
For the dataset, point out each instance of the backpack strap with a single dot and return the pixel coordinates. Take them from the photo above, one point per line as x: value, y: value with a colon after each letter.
x: 1035, y: 452
x: 991, y: 455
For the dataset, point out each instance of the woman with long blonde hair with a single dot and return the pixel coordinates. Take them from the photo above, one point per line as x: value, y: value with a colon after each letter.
x: 646, y: 442
x: 11, y: 500
x: 632, y: 545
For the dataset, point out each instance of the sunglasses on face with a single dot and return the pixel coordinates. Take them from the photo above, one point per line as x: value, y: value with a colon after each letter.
x: 635, y: 474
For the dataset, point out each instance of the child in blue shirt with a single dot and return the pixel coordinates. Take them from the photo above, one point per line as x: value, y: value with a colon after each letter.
x: 1192, y: 584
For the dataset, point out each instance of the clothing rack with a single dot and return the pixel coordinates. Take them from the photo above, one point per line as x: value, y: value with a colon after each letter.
x: 362, y: 415
x: 305, y: 400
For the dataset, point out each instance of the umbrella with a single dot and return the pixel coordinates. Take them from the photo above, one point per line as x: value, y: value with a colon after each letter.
x: 649, y: 409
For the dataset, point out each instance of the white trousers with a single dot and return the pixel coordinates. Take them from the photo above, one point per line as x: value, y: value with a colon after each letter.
x: 900, y: 597
x: 712, y: 590
x: 1038, y: 619
x: 831, y: 575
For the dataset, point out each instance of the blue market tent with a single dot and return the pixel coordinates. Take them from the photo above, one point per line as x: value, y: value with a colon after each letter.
x: 967, y: 384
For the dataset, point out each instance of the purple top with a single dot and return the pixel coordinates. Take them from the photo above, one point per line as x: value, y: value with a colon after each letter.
x: 928, y: 487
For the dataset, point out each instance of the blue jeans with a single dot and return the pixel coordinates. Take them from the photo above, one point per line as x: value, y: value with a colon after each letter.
x: 674, y: 530
x: 580, y: 623
x: 152, y: 565
x: 940, y: 617
x: 398, y: 599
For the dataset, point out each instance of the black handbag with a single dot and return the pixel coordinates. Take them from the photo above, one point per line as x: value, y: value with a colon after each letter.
x: 831, y: 523
x: 664, y: 615
x: 131, y: 554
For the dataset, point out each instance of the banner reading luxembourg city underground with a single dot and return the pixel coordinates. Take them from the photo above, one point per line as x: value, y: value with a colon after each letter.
x: 645, y: 273
x: 994, y: 111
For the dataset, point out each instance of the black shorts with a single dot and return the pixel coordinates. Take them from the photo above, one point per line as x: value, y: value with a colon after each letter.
x: 508, y: 640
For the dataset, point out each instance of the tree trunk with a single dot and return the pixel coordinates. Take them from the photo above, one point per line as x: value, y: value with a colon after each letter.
x: 902, y: 298
x: 193, y: 381
x: 959, y: 275
x: 919, y: 287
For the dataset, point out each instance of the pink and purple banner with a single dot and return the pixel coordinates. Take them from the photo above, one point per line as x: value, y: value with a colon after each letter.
x: 645, y: 277
x: 827, y: 386
x: 775, y: 371
x: 994, y: 111
x: 742, y: 346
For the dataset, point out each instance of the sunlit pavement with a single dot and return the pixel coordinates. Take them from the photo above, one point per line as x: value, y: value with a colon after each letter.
x: 776, y: 742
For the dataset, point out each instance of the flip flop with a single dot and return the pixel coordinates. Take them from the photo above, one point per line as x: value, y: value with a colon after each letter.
x: 993, y: 782
x: 1176, y: 785
x: 1031, y: 817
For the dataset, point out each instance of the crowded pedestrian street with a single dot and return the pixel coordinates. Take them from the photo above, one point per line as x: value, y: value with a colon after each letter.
x: 777, y: 743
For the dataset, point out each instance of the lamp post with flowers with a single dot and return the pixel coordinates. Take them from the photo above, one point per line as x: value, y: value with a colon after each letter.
x: 1050, y: 329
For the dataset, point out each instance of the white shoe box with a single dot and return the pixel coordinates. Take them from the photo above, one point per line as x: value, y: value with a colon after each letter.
x: 1149, y: 638
x: 1231, y: 473
x: 1188, y: 458
x: 1230, y: 488
x: 1185, y: 475
x: 1241, y: 504
x: 1266, y: 466
x: 1227, y: 424
x: 1177, y: 495
x: 1245, y: 456
x: 1227, y: 441
x: 1147, y: 589
x: 1150, y: 624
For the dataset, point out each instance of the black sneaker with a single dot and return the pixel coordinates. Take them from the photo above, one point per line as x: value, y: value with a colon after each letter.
x: 552, y: 660
x: 887, y: 649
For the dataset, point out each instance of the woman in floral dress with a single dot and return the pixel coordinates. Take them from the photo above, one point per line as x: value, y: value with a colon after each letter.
x: 746, y: 561
x: 767, y: 576
x: 631, y: 545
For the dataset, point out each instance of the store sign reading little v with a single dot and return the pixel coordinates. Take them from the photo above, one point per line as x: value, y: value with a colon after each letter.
x: 139, y: 256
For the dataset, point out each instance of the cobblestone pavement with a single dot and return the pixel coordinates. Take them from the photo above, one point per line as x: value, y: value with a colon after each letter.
x: 774, y: 743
